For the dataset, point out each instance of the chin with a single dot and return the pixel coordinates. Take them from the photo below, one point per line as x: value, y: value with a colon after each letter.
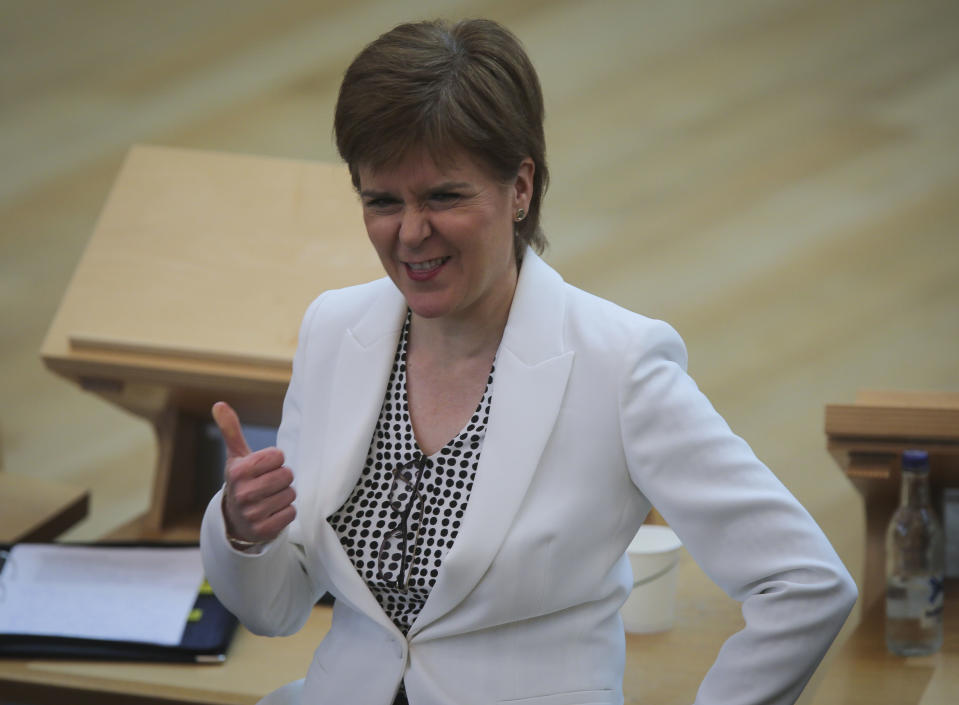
x: 434, y: 305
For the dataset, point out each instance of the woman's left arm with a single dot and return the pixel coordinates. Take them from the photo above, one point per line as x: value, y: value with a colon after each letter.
x: 740, y: 524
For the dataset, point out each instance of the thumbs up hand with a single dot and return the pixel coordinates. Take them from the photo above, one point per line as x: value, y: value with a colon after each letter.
x: 258, y: 499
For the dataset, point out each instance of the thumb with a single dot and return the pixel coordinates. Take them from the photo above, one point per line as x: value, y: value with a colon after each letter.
x: 229, y: 425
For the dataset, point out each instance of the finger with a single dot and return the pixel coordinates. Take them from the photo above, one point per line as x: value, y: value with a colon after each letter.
x: 270, y: 528
x: 268, y: 506
x: 269, y: 461
x: 250, y: 490
x: 267, y: 526
x: 263, y: 462
x: 229, y: 424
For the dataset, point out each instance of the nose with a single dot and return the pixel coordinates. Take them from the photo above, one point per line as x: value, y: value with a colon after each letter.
x: 414, y: 227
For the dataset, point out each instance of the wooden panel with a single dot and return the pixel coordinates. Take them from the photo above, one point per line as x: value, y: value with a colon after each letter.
x: 33, y: 509
x: 920, y: 424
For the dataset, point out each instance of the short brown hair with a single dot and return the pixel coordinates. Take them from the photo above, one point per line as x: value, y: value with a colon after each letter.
x: 443, y: 87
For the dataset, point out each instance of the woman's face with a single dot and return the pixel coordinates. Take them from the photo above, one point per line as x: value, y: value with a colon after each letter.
x: 445, y: 235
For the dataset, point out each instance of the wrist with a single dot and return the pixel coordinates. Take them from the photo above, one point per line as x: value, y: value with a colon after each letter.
x: 235, y: 541
x: 242, y: 544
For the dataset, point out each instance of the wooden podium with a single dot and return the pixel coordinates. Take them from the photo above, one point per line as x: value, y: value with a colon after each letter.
x: 867, y: 438
x: 191, y: 290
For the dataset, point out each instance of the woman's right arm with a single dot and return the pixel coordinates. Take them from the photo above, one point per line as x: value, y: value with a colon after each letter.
x: 267, y: 587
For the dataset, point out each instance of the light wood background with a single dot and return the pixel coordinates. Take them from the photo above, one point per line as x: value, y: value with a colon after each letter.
x: 779, y: 179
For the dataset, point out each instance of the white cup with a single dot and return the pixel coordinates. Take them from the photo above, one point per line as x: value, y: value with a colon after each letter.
x: 654, y: 557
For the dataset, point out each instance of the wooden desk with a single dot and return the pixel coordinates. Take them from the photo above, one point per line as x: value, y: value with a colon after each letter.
x: 865, y: 673
x: 255, y: 666
x: 662, y: 669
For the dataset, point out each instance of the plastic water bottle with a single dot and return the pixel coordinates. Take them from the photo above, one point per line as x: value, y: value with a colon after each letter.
x: 915, y: 565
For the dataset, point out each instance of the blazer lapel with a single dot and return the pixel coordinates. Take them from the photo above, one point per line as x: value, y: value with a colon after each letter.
x: 359, y: 382
x: 532, y: 369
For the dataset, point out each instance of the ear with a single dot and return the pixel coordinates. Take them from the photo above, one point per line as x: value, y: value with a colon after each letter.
x: 523, y: 185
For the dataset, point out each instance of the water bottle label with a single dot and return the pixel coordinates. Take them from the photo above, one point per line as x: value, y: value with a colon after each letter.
x: 910, y: 601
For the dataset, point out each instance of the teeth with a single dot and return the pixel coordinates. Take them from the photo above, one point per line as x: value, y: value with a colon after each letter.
x: 427, y: 265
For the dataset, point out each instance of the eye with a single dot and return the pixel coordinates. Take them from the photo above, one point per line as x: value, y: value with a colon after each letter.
x: 380, y: 203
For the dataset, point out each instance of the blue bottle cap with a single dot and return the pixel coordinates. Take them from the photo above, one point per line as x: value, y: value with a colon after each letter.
x: 915, y: 460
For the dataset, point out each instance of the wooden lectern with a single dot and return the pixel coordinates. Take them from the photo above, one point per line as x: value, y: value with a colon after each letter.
x: 191, y: 290
x: 867, y: 438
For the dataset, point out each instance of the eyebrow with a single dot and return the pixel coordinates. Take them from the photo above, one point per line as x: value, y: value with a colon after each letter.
x: 451, y: 186
x: 445, y: 186
x: 367, y: 193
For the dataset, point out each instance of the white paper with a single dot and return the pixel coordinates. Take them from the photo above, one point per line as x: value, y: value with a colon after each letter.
x: 128, y: 594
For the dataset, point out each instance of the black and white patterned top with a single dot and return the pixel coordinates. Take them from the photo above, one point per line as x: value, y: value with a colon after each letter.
x: 399, y: 481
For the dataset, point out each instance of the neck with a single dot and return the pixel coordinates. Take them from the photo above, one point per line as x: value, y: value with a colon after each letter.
x: 914, y: 491
x: 469, y: 336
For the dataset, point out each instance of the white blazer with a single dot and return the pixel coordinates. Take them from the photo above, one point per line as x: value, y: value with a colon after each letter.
x: 593, y: 421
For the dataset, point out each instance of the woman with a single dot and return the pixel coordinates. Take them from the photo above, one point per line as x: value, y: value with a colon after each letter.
x: 474, y: 442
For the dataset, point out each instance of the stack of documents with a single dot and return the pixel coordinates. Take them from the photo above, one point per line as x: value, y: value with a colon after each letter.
x: 122, y: 602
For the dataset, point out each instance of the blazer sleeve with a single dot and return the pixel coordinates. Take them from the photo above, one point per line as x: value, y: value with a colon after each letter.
x: 271, y: 591
x: 740, y: 524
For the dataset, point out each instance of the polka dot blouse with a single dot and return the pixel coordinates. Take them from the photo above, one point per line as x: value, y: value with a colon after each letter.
x: 405, y: 512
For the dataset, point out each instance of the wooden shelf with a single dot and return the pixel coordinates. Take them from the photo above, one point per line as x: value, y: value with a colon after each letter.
x: 867, y: 438
x: 909, y: 416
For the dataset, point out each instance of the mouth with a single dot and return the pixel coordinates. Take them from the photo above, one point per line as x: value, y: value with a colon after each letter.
x: 421, y: 271
x: 427, y: 265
